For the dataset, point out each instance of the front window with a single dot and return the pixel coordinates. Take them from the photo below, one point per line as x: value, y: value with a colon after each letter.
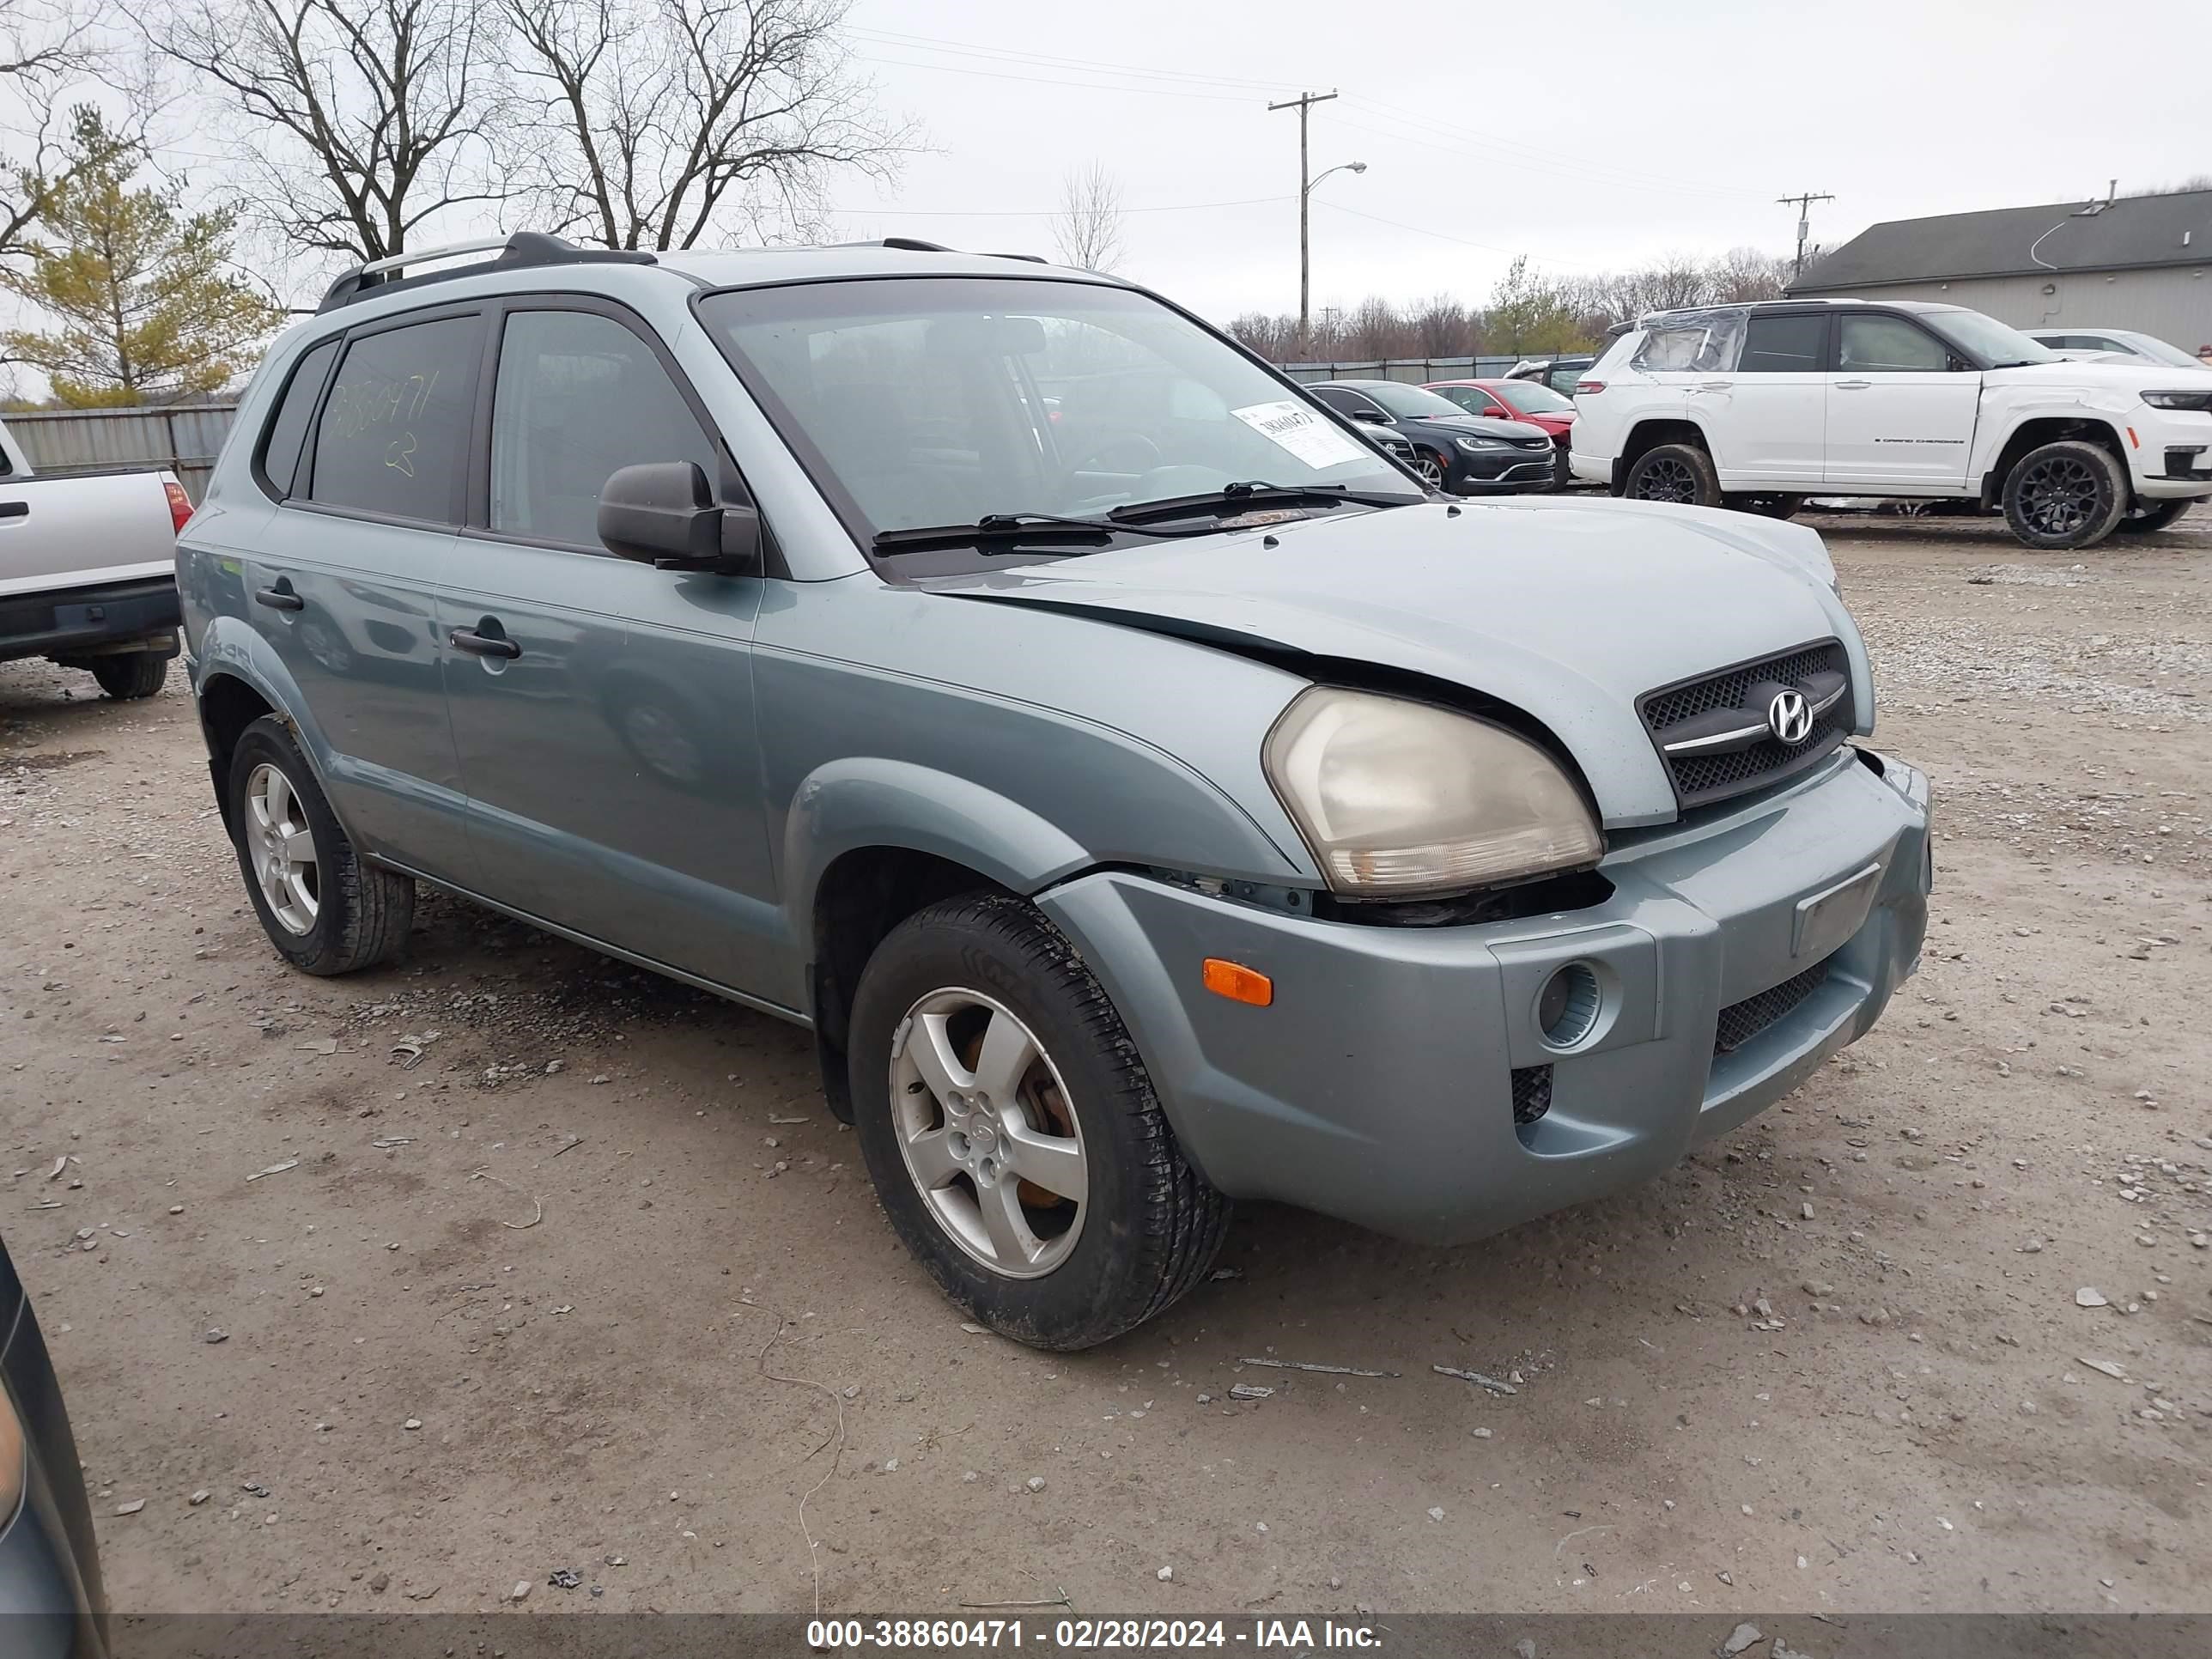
x: 919, y: 402
x: 1527, y: 397
x: 1997, y: 344
x: 1890, y: 345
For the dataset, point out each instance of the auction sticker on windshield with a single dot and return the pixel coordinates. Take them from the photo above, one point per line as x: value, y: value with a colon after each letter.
x: 1304, y: 433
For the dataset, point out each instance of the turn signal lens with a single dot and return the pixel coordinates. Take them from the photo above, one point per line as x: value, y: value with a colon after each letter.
x: 1239, y: 983
x: 11, y: 1460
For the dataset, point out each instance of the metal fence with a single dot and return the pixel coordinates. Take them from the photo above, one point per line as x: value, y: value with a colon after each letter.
x: 186, y: 439
x: 1412, y: 370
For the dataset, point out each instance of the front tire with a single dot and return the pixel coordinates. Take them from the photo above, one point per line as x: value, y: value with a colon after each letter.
x: 129, y: 675
x: 1432, y: 469
x: 1013, y: 1133
x: 1681, y: 473
x: 2064, y: 495
x: 2140, y: 520
x: 325, y: 911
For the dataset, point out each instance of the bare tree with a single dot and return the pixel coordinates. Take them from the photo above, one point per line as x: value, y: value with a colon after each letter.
x: 46, y: 45
x: 652, y: 123
x: 1088, y: 228
x: 352, y: 121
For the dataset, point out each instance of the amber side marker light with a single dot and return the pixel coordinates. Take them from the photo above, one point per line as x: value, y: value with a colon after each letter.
x: 1239, y: 983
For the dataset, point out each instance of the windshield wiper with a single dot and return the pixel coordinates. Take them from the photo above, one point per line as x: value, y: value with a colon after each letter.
x: 1028, y: 528
x: 1253, y: 493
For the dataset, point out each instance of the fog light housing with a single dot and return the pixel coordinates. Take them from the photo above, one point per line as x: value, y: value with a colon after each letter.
x: 1567, y: 1006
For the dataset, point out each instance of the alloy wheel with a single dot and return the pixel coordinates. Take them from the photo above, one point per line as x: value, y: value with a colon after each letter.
x: 2059, y: 495
x: 1666, y: 480
x: 984, y: 1125
x: 282, y: 846
x: 1429, y: 469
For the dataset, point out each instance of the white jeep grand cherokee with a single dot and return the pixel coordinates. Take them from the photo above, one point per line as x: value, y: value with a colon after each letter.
x: 1758, y: 406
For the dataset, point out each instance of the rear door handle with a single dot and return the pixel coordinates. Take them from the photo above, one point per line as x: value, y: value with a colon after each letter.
x: 14, y: 509
x: 281, y: 596
x: 483, y: 645
x: 1852, y: 385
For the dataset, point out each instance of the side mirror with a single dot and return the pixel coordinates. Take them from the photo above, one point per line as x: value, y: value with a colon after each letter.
x: 663, y: 514
x: 1495, y: 414
x: 1370, y: 416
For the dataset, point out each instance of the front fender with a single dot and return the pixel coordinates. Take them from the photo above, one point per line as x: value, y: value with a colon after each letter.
x: 868, y: 801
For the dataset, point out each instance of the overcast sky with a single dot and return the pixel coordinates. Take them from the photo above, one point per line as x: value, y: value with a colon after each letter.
x: 1590, y: 135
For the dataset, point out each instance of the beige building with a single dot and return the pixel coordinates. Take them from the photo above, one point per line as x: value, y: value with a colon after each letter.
x: 2139, y: 262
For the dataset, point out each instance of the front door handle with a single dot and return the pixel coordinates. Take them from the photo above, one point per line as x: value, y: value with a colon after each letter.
x: 1852, y: 385
x: 1715, y: 386
x: 14, y: 509
x: 281, y: 596
x: 483, y: 645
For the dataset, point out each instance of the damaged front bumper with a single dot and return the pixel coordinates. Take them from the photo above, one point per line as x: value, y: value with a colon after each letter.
x: 1381, y: 1085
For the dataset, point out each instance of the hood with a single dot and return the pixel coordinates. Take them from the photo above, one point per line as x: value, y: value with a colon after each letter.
x: 2129, y: 376
x: 1565, y: 609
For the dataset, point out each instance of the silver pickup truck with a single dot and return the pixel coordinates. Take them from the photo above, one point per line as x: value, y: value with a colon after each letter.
x: 87, y: 570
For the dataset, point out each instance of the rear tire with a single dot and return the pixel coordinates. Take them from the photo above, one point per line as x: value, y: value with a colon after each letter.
x: 2142, y: 519
x: 1680, y: 473
x: 2064, y: 495
x: 129, y: 675
x: 325, y: 911
x: 989, y: 1074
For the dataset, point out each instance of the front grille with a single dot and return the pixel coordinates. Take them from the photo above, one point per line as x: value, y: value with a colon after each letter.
x: 1740, y: 1022
x: 1531, y: 1093
x: 1701, y: 779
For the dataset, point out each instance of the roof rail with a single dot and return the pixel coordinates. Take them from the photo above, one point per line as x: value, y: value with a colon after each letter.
x: 524, y: 248
x: 915, y: 245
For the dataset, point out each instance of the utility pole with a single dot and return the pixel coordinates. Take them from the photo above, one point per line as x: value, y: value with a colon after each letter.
x: 1804, y: 206
x: 1304, y: 104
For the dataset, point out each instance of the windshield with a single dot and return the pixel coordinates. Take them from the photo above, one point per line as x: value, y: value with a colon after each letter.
x: 2158, y: 350
x: 925, y: 401
x: 1985, y: 337
x: 1531, y: 399
x: 1409, y: 403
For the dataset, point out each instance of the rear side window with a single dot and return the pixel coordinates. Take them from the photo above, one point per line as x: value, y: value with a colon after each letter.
x: 578, y: 397
x: 287, y: 427
x: 393, y: 438
x: 1783, y: 345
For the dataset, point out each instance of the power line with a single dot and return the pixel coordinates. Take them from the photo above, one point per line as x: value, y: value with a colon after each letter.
x: 1576, y: 171
x: 1043, y: 213
x: 1464, y: 241
x: 1048, y: 81
x: 966, y: 49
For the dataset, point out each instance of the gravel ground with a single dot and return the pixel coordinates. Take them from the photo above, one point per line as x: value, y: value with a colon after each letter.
x: 554, y: 1266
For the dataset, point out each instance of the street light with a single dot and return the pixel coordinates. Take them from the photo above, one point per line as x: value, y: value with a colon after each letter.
x: 1305, y: 264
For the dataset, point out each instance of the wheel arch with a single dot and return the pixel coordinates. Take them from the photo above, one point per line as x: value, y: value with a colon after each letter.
x: 870, y: 841
x: 2039, y: 430
x: 1647, y: 436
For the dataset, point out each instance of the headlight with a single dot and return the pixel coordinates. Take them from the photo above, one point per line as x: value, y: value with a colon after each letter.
x: 11, y: 1460
x: 1399, y: 799
x: 2178, y: 399
x: 1475, y: 446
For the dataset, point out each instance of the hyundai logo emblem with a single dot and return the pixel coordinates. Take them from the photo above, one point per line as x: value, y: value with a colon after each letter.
x: 1789, y: 718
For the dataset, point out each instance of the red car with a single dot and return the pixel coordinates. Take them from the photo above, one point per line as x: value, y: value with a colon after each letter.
x: 1517, y: 400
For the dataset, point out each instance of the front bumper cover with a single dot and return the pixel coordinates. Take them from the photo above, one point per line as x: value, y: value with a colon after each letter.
x: 1378, y: 1087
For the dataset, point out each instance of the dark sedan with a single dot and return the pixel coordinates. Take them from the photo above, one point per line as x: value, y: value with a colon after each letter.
x: 52, y: 1606
x: 1452, y: 450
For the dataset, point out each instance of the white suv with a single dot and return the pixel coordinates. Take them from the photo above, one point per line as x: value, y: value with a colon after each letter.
x: 1758, y: 406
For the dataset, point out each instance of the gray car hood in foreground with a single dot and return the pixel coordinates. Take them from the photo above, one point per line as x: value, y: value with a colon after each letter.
x: 1567, y: 609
